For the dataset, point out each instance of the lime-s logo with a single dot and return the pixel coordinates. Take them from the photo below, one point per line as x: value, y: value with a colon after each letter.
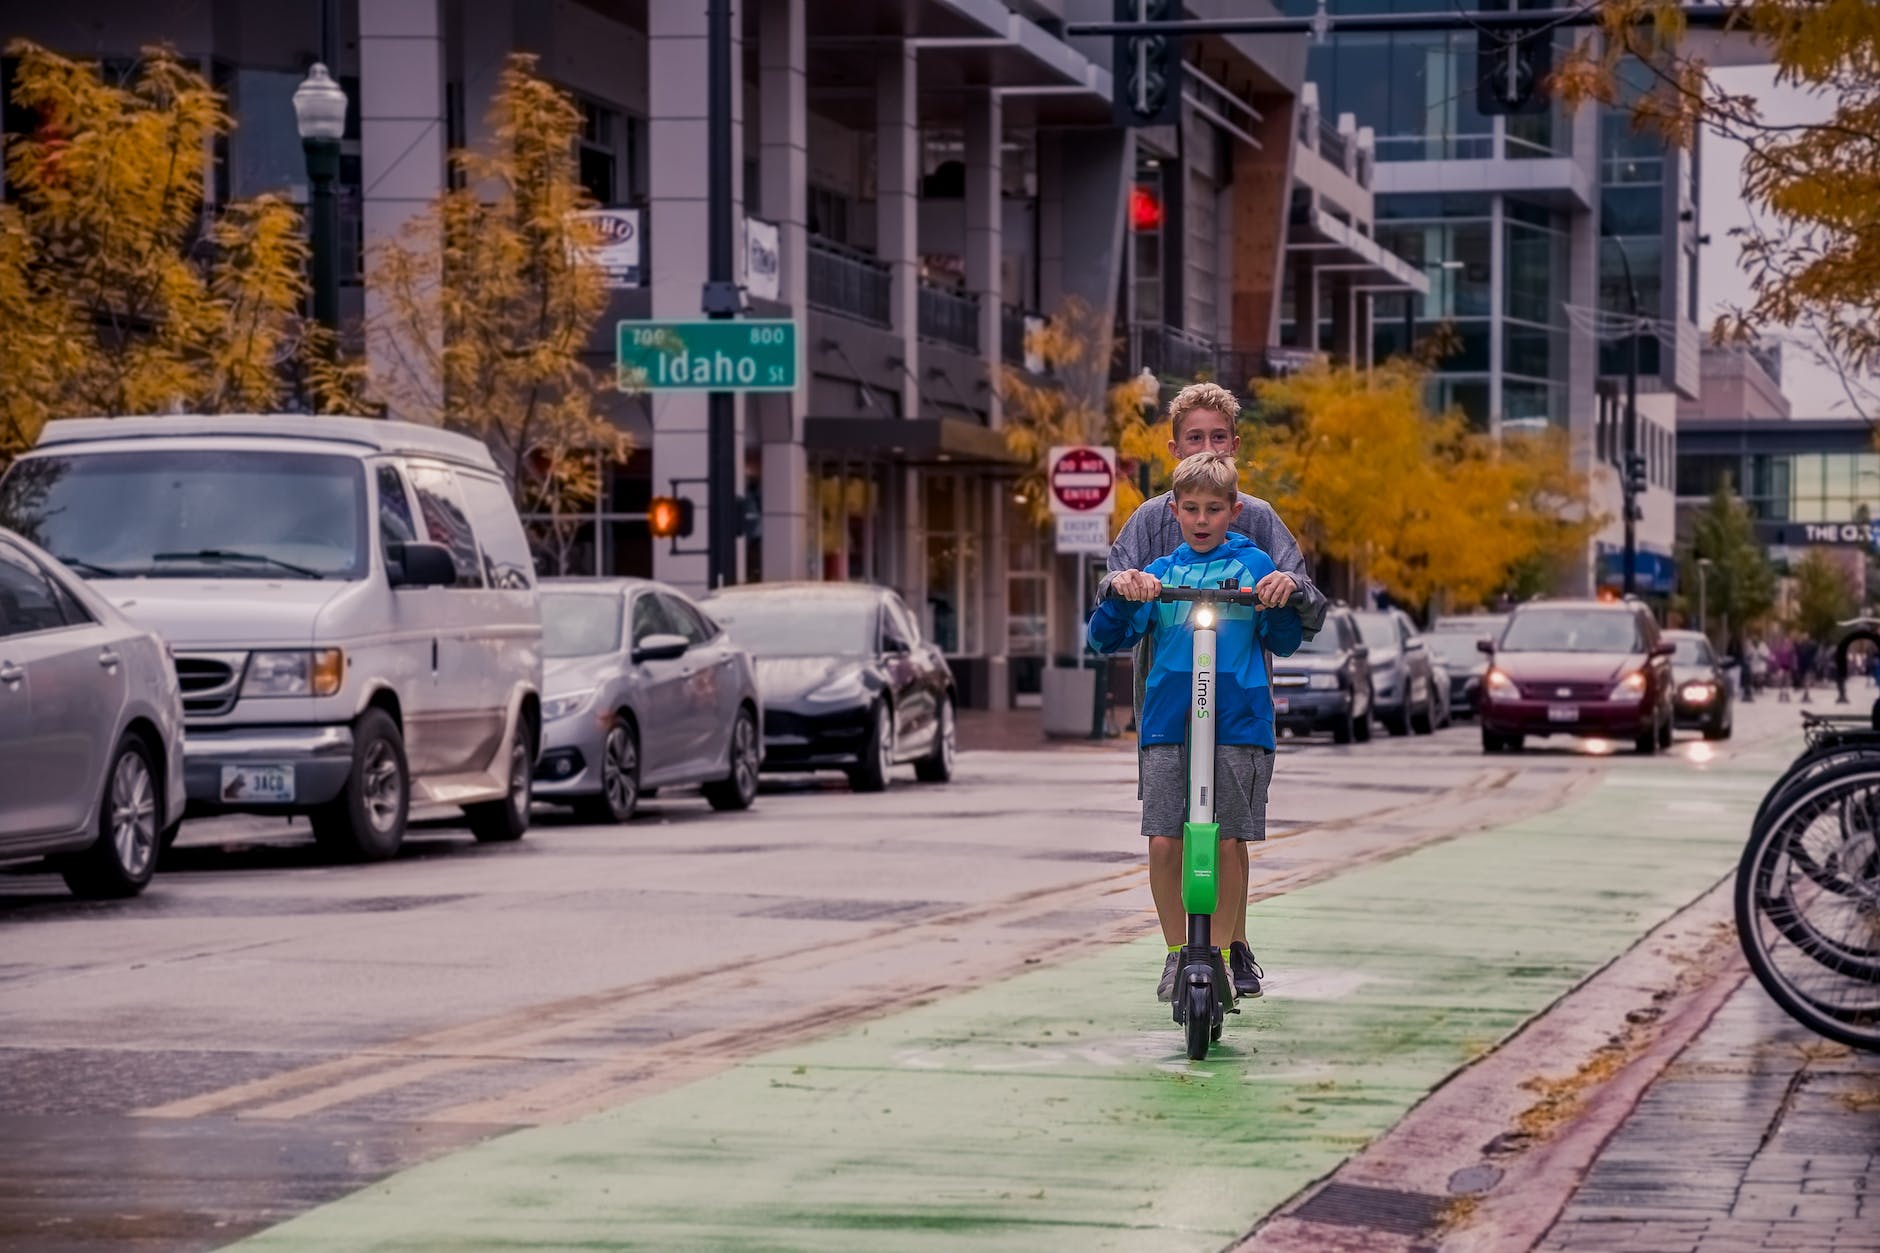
x: 1204, y: 660
x: 1200, y: 714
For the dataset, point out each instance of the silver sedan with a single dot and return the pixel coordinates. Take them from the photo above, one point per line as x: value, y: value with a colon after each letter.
x: 642, y: 689
x: 91, y: 730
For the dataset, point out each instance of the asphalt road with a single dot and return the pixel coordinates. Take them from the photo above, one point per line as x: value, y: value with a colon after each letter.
x: 262, y: 1032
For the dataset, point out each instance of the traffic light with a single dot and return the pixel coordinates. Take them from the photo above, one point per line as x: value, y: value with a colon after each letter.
x: 669, y: 516
x: 1148, y: 68
x: 1511, y: 62
x: 1635, y: 480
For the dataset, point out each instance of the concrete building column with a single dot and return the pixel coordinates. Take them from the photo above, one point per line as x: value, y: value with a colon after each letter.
x: 1344, y: 322
x: 783, y: 175
x: 985, y: 135
x: 897, y: 204
x: 1305, y: 278
x: 401, y: 155
x: 679, y: 150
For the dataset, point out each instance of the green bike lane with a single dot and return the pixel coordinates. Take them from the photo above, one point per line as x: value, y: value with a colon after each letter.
x: 1055, y: 1110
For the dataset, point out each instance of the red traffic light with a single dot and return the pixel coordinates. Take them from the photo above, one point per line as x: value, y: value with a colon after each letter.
x: 667, y: 516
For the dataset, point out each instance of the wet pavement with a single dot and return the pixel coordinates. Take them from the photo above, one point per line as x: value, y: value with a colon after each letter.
x: 1760, y: 1138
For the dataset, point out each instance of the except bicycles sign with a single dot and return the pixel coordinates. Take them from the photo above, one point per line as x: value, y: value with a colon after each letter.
x: 732, y: 355
x: 1082, y: 478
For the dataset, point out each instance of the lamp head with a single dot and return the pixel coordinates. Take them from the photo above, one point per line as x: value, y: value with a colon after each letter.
x: 320, y: 106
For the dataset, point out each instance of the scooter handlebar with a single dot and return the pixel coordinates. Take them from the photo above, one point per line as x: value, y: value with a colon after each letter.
x: 1199, y: 595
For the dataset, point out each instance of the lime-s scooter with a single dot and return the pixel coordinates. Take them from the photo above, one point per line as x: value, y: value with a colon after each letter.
x: 1199, y: 1001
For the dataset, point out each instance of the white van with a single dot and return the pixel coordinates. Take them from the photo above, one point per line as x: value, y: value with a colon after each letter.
x: 351, y: 605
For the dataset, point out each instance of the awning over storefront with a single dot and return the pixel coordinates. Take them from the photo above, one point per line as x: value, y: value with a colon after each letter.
x: 910, y: 440
x: 1657, y: 573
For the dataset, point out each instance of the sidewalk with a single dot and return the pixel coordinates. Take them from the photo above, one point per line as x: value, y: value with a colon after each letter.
x: 1054, y: 1110
x: 1760, y: 1138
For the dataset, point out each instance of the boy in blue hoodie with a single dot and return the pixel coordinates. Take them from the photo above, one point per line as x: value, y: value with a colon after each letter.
x: 1206, y: 494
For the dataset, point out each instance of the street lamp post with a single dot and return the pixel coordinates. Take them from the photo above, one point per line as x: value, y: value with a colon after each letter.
x: 1703, y: 586
x: 320, y: 115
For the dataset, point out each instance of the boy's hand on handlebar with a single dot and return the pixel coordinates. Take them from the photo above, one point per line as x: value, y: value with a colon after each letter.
x: 1274, y: 590
x: 1135, y: 585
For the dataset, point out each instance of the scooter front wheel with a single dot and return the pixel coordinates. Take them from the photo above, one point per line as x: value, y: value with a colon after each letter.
x: 1200, y: 1022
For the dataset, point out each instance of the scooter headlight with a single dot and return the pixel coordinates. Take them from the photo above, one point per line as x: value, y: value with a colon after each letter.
x: 1204, y: 617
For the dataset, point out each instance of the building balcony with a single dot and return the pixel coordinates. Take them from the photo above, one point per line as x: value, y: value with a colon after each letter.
x: 849, y: 282
x: 949, y: 316
x: 1179, y: 357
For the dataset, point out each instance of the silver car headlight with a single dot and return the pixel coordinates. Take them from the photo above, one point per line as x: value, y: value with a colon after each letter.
x: 295, y: 672
x: 566, y: 704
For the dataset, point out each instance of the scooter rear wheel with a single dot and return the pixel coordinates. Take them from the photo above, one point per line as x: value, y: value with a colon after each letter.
x: 1199, y: 1023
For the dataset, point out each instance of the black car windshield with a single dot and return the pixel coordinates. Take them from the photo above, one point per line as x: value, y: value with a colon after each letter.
x: 174, y: 513
x: 1324, y: 644
x: 1693, y: 652
x: 1454, y: 648
x: 774, y: 625
x: 580, y: 624
x: 1572, y: 631
x: 1379, y: 630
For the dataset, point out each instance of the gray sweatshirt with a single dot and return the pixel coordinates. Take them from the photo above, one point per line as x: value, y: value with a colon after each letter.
x: 1152, y: 532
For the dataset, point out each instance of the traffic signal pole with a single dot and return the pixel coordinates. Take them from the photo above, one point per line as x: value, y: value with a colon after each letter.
x: 720, y: 300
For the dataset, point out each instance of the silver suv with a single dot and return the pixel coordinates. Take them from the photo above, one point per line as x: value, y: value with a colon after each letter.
x: 351, y: 605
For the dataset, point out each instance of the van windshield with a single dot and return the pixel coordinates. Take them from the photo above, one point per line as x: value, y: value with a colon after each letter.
x: 181, y: 513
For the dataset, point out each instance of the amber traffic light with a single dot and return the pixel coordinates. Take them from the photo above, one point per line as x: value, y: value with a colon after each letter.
x: 667, y: 516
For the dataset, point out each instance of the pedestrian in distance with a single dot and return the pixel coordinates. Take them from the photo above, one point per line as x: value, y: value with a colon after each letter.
x: 1202, y: 418
x: 1203, y: 503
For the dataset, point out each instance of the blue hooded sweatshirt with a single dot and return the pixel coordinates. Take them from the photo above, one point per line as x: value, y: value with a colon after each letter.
x: 1242, y: 637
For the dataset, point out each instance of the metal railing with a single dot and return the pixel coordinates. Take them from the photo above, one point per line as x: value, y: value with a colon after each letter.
x: 1334, y: 146
x: 849, y: 282
x: 949, y: 315
x: 1169, y: 352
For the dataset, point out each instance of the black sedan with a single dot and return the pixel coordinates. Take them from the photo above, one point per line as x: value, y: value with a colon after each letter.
x: 1326, y: 684
x: 1700, y: 693
x: 847, y: 681
x: 1463, y: 660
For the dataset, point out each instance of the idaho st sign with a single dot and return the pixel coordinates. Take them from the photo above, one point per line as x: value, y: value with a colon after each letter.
x: 732, y: 355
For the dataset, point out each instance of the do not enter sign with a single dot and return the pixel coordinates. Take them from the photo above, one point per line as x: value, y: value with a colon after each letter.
x: 1082, y: 478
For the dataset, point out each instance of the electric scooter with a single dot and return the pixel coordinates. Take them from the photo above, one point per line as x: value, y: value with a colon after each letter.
x: 1199, y: 1004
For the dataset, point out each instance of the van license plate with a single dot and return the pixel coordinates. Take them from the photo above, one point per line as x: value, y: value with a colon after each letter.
x: 1563, y: 713
x: 1281, y: 705
x: 257, y: 784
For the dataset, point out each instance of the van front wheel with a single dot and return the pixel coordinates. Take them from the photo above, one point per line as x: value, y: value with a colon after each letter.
x: 366, y: 821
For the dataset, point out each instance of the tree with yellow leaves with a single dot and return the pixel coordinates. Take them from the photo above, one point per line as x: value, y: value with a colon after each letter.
x: 1074, y: 402
x: 1417, y: 502
x: 1813, y: 259
x: 489, y: 305
x: 116, y: 296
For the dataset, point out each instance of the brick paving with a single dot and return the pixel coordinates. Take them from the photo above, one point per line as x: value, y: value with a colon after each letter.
x: 1760, y: 1138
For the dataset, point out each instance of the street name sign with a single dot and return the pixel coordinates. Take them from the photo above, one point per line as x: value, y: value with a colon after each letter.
x: 1082, y: 478
x: 730, y: 355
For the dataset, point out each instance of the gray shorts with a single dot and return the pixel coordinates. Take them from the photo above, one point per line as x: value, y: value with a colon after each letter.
x: 1242, y: 773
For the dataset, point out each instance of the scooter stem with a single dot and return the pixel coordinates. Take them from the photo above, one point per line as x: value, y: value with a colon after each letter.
x: 1200, y: 833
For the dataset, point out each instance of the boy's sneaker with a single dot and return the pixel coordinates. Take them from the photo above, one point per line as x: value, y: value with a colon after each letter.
x: 1246, y: 971
x: 1165, y: 990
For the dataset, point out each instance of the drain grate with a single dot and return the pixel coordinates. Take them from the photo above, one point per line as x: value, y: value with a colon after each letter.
x: 825, y: 909
x: 1381, y: 1209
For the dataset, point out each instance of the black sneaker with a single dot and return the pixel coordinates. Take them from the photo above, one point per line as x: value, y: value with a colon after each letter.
x: 1246, y: 971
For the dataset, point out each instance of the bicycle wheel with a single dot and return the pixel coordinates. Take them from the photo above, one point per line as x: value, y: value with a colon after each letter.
x: 1813, y: 946
x: 1828, y: 767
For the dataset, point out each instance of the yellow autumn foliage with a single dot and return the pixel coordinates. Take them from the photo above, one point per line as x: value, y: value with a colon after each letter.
x: 115, y: 295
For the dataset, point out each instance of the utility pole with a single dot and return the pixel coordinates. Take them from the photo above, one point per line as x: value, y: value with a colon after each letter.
x: 1632, y: 480
x: 720, y: 300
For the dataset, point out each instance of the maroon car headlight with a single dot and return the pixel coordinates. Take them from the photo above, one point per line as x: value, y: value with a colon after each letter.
x: 1630, y: 690
x: 1498, y: 686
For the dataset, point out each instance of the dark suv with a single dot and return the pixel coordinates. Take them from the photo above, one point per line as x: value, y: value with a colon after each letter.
x: 1326, y: 684
x: 1578, y: 667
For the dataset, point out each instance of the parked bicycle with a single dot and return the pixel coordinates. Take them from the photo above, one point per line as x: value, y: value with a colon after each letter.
x: 1808, y: 885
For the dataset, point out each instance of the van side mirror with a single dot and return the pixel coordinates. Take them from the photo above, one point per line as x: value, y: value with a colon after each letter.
x: 1485, y: 646
x: 894, y: 644
x: 412, y: 564
x: 660, y: 647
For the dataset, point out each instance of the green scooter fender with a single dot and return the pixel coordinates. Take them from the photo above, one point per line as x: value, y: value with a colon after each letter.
x: 1201, y: 856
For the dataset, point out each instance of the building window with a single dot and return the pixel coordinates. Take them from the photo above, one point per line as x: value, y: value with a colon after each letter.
x: 609, y: 538
x: 828, y: 214
x: 949, y: 516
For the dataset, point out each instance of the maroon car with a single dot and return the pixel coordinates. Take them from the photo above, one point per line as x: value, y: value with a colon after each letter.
x: 1578, y: 667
